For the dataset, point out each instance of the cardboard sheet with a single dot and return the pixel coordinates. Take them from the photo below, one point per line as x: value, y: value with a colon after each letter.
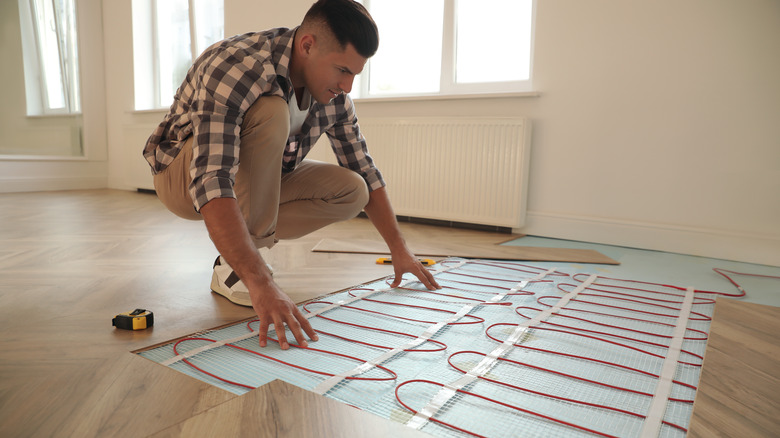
x: 470, y: 250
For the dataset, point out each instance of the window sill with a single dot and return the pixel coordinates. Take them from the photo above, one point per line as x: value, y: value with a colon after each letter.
x: 54, y: 116
x: 13, y: 157
x: 429, y: 97
x: 149, y: 111
x: 413, y: 98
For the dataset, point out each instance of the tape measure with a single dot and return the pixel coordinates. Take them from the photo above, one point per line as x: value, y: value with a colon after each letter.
x: 387, y: 261
x: 138, y: 319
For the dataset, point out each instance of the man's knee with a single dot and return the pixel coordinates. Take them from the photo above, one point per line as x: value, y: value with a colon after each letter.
x: 358, y: 193
x: 268, y: 120
x: 172, y: 184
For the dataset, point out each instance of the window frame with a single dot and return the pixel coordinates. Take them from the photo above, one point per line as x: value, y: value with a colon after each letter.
x: 36, y: 63
x: 448, y: 87
x: 146, y: 52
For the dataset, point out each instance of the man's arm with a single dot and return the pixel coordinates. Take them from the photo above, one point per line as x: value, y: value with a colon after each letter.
x: 380, y: 212
x: 229, y: 233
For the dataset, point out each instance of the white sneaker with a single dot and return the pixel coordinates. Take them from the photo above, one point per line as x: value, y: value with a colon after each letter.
x: 225, y: 282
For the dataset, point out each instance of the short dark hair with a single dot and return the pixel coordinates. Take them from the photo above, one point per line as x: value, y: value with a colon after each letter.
x: 349, y: 21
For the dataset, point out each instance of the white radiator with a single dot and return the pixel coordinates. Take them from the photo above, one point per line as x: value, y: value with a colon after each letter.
x: 472, y: 170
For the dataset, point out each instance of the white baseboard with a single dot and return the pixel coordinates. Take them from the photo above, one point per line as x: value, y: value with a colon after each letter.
x: 44, y: 184
x: 742, y: 247
x: 37, y: 174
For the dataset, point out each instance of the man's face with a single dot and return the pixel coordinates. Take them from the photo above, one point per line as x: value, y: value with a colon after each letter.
x: 331, y: 72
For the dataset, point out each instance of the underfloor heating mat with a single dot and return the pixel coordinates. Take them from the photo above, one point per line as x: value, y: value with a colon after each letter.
x: 504, y: 349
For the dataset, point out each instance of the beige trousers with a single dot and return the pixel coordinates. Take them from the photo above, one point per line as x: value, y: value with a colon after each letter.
x: 274, y: 206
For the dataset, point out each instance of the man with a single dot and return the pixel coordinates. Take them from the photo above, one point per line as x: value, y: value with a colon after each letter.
x: 231, y: 152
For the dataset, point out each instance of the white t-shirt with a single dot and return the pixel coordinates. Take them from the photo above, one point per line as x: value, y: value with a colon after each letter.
x: 298, y: 114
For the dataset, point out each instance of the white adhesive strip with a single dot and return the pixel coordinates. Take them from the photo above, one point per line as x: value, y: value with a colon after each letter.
x: 428, y: 411
x: 345, y: 302
x: 561, y: 303
x: 209, y: 346
x: 328, y: 384
x: 652, y: 424
x: 372, y: 292
x: 490, y: 360
x: 213, y: 345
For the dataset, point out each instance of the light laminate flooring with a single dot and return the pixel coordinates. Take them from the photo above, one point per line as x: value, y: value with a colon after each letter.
x: 70, y: 261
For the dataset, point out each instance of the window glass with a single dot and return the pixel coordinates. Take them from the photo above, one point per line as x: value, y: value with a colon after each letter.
x: 491, y: 46
x: 55, y: 42
x: 173, y: 44
x: 449, y: 47
x: 409, y: 57
x: 167, y: 37
x: 209, y: 23
x: 47, y: 39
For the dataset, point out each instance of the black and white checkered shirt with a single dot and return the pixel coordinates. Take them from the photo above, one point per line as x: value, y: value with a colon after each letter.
x: 220, y: 87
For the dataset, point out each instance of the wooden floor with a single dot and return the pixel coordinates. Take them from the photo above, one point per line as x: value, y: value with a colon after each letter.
x: 739, y: 390
x: 70, y: 261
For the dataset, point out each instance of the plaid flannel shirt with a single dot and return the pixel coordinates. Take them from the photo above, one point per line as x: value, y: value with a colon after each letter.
x: 220, y: 87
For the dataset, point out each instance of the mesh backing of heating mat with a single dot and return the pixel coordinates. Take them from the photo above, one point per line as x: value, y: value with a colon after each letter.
x: 504, y: 349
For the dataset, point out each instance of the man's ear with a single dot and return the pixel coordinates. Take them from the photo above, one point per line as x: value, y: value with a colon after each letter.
x: 307, y: 43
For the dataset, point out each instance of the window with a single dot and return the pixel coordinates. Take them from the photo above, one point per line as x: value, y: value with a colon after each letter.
x: 167, y: 37
x: 50, y: 53
x: 449, y: 47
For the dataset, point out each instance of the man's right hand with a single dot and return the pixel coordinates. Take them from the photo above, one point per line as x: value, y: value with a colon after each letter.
x: 273, y: 306
x: 230, y: 235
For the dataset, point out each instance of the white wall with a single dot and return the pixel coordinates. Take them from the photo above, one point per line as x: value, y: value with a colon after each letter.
x: 23, y: 135
x: 656, y: 127
x: 34, y: 171
x: 127, y: 129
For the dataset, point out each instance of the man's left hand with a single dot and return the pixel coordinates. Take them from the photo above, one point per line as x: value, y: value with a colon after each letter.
x: 407, y: 262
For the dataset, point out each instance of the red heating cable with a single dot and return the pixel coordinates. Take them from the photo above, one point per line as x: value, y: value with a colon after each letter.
x: 639, y: 350
x: 517, y: 408
x: 561, y: 315
x: 702, y: 317
x: 376, y: 379
x: 582, y: 402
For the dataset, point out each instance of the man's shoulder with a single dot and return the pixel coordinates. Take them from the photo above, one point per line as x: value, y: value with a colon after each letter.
x: 258, y: 51
x: 269, y: 38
